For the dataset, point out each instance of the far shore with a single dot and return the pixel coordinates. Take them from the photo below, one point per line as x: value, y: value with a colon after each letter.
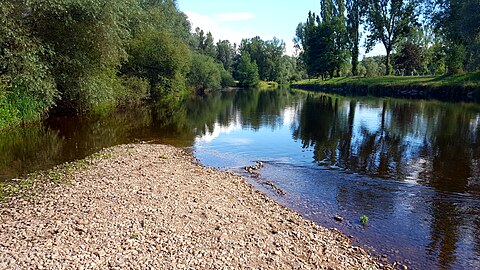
x: 146, y: 206
x: 464, y: 88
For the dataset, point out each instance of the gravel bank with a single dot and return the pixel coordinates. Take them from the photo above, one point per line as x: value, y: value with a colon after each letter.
x: 152, y: 207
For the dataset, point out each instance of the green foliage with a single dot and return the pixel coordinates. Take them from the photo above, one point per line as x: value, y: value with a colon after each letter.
x: 372, y: 66
x: 88, y: 41
x: 389, y: 21
x: 204, y: 43
x: 267, y: 85
x: 226, y: 78
x: 247, y: 71
x: 204, y: 73
x: 456, y: 56
x: 409, y: 59
x: 27, y: 89
x: 458, y: 22
x: 471, y: 80
x: 160, y: 58
x: 356, y: 10
x: 435, y: 59
x: 324, y: 40
x: 268, y: 55
x: 135, y: 90
x: 225, y: 54
x: 364, y: 220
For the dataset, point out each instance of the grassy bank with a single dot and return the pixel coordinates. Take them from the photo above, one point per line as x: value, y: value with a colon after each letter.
x: 455, y: 87
x: 464, y: 80
x: 267, y: 85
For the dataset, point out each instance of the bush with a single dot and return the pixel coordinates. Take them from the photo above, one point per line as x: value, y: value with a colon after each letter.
x: 160, y: 58
x: 247, y: 71
x: 227, y: 78
x: 27, y: 89
x: 204, y: 73
x: 135, y: 90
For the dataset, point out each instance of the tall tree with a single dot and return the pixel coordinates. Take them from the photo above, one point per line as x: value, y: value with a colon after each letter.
x: 355, y: 14
x: 247, y: 70
x: 458, y: 21
x: 389, y: 21
x: 225, y: 54
x: 323, y: 39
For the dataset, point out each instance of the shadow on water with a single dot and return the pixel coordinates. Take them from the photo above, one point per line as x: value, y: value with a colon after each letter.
x: 413, y: 167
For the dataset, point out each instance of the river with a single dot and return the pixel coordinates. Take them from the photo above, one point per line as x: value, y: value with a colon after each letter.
x: 411, y: 166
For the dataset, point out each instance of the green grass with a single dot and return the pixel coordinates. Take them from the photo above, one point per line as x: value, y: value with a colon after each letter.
x: 463, y: 80
x: 267, y: 85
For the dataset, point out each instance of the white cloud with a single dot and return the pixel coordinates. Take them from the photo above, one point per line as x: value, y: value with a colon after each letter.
x: 221, y: 31
x: 213, y: 25
x: 234, y: 17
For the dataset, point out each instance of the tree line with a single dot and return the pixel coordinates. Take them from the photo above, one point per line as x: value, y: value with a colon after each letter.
x: 93, y: 55
x: 422, y: 37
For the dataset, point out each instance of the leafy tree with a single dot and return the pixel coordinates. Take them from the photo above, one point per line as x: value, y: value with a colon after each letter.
x: 267, y: 55
x: 205, y: 73
x: 27, y: 89
x: 356, y: 10
x: 372, y: 66
x: 161, y: 15
x: 204, y: 43
x: 247, y: 71
x: 225, y: 54
x: 435, y: 59
x: 389, y: 21
x: 458, y: 21
x: 409, y: 59
x: 324, y: 39
x: 160, y: 58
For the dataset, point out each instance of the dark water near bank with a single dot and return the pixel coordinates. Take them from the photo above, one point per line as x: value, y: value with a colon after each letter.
x: 413, y: 167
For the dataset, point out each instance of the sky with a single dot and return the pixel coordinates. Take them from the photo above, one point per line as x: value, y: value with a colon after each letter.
x: 235, y: 20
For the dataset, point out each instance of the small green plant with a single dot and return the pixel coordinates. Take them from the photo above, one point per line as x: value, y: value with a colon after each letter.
x: 364, y: 220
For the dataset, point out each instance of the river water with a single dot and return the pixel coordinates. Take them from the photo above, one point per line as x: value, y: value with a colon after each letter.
x: 412, y: 167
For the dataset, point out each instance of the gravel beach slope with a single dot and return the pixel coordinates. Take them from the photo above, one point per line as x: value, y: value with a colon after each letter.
x: 152, y: 207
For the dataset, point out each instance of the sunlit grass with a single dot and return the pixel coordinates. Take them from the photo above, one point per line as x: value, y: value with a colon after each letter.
x: 462, y: 80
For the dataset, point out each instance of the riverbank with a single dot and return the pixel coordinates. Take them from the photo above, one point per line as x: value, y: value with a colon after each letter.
x: 140, y: 206
x: 464, y: 87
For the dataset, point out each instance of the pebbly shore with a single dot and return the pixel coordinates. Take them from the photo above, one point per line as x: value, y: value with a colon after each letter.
x: 148, y: 206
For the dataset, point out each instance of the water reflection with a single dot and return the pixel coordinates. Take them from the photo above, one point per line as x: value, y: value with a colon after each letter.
x: 413, y: 167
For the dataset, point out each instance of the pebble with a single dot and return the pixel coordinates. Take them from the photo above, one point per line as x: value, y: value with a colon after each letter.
x: 134, y: 209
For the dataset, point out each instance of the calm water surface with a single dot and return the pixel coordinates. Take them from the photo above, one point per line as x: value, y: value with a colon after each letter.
x: 413, y: 167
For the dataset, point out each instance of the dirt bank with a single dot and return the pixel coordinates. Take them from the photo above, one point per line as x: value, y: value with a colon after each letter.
x: 152, y: 207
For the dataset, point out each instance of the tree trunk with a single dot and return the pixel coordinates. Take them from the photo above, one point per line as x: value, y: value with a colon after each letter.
x: 355, y: 52
x: 387, y: 63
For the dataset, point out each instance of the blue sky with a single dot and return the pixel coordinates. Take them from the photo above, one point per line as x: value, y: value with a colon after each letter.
x: 234, y: 20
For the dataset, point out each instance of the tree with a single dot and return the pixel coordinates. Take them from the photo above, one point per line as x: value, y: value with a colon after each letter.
x: 372, y: 66
x: 458, y: 22
x: 267, y: 55
x: 389, y: 21
x: 247, y: 71
x: 204, y: 43
x: 27, y: 88
x: 324, y: 39
x: 162, y: 59
x: 204, y: 73
x: 225, y: 54
x: 435, y: 59
x: 355, y: 14
x: 409, y: 59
